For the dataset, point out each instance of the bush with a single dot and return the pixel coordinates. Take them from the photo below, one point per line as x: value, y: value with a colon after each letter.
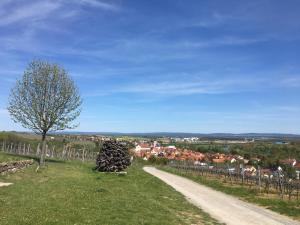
x: 158, y: 160
x: 113, y: 157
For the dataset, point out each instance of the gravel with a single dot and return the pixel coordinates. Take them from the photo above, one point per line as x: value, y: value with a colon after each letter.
x: 224, y: 208
x: 5, y: 184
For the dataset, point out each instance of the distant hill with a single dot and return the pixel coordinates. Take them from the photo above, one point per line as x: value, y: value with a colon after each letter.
x: 275, y: 136
x: 200, y: 135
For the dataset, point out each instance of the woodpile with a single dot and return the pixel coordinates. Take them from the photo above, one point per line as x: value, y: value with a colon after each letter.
x: 114, y: 157
x: 11, y: 167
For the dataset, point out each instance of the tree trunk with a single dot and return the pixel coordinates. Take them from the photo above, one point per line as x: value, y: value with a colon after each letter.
x: 43, y: 152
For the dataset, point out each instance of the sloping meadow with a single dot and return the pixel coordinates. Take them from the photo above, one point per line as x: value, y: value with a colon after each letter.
x: 72, y: 193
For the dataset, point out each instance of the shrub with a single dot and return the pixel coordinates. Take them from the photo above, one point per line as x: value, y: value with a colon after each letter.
x: 158, y: 160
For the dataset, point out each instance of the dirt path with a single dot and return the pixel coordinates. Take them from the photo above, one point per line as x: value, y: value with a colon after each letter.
x: 4, y: 184
x: 223, y: 207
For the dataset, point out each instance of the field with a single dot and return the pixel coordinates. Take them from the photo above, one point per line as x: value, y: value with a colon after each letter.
x: 289, y: 208
x: 58, y: 143
x: 72, y: 193
x: 7, y: 157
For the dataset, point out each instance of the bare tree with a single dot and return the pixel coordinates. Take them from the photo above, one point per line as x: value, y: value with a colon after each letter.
x: 45, y: 99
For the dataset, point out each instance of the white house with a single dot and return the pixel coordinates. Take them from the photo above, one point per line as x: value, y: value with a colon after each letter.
x: 142, y: 147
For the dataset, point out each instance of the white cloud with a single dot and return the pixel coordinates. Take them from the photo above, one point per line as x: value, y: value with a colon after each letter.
x: 292, y: 81
x: 29, y: 12
x: 37, y: 17
x: 193, y: 86
x: 222, y: 41
x: 177, y: 86
x: 35, y: 11
x: 99, y: 4
x: 23, y: 41
x: 215, y: 19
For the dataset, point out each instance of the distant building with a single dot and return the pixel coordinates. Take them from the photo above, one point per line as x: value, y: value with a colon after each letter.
x: 290, y: 162
x: 142, y: 147
x: 171, y: 148
x: 281, y: 143
x: 297, y: 168
x: 156, y: 144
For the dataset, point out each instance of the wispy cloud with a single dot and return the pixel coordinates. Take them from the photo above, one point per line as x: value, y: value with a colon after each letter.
x: 99, y: 4
x: 4, y: 3
x: 223, y: 41
x: 191, y: 86
x: 196, y: 84
x: 292, y: 81
x: 288, y: 108
x: 177, y: 86
x: 149, y: 49
x: 24, y: 41
x: 37, y: 18
x: 33, y: 11
x: 215, y: 19
x: 9, y: 76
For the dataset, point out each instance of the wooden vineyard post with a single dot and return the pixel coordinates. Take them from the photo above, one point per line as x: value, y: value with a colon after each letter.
x: 280, y: 185
x: 52, y: 152
x: 28, y: 149
x: 64, y: 153
x: 38, y: 150
x: 83, y: 152
x: 243, y: 173
x: 259, y: 179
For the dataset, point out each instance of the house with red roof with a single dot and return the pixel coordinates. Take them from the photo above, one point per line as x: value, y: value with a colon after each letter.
x: 142, y: 147
x: 290, y: 162
x: 297, y: 168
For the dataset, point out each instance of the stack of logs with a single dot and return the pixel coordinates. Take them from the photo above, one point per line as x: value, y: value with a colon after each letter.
x: 11, y: 167
x: 114, y: 157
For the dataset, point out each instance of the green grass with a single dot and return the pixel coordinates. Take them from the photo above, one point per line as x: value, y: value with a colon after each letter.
x: 72, y: 193
x: 289, y: 208
x: 9, y: 157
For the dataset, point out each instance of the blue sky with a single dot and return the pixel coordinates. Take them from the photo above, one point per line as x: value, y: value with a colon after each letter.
x: 163, y: 65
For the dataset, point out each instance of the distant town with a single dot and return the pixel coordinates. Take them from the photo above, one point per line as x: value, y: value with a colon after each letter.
x: 269, y: 151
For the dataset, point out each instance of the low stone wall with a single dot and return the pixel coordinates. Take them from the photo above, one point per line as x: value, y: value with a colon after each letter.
x: 14, y: 166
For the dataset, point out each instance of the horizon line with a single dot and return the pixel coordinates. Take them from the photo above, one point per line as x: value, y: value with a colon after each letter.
x: 162, y: 132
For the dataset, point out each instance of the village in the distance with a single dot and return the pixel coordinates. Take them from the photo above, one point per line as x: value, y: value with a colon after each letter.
x: 140, y: 112
x: 269, y: 152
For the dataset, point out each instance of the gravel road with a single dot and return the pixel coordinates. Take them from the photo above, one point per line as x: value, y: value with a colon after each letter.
x: 223, y: 207
x: 4, y: 184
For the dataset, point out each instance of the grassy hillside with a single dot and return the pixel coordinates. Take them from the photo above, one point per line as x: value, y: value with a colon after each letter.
x: 10, y: 137
x: 34, y: 140
x: 71, y: 193
x: 7, y: 158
